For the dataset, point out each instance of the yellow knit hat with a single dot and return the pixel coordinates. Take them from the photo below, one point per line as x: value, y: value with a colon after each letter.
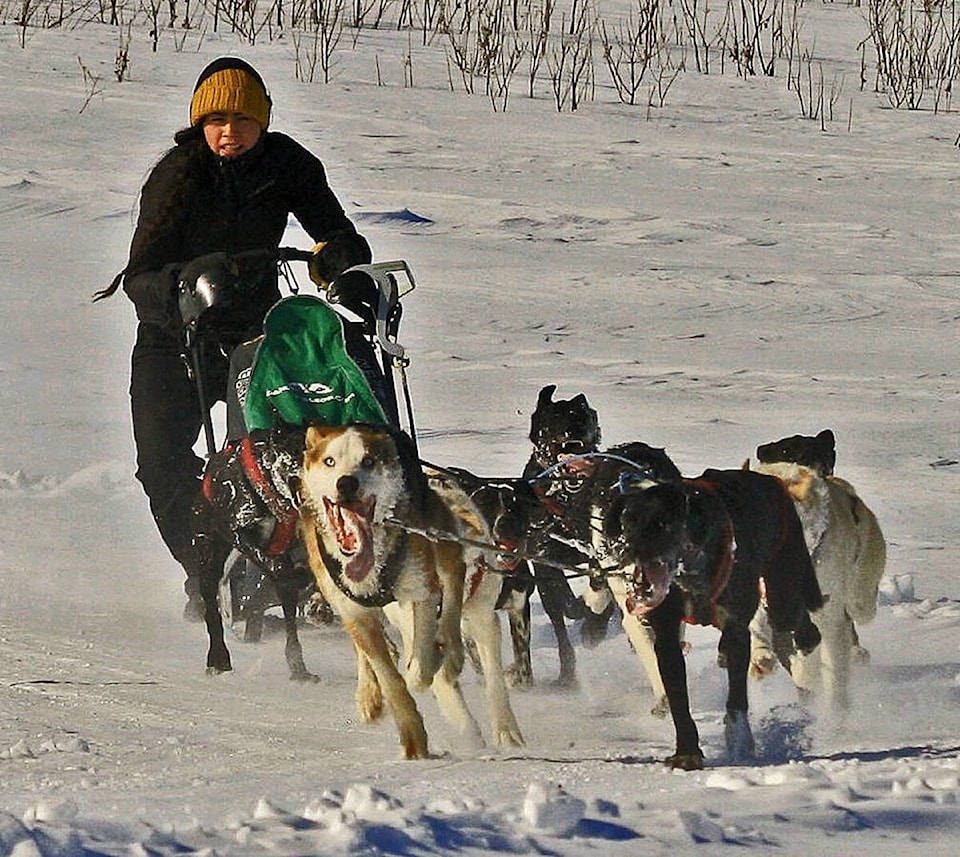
x: 229, y: 85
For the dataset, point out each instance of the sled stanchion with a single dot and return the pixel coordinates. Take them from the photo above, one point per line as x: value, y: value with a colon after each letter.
x: 402, y: 369
x: 393, y: 280
x: 193, y: 346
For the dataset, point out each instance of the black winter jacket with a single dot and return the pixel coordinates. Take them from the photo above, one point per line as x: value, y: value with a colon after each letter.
x: 234, y: 205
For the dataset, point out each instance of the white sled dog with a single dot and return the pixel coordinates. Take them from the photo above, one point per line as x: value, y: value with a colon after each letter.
x: 480, y: 624
x: 849, y: 556
x: 376, y: 550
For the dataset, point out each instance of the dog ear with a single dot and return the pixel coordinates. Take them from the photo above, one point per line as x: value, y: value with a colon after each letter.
x: 828, y: 444
x: 675, y: 499
x: 746, y: 464
x: 469, y: 482
x: 313, y: 439
x: 546, y: 395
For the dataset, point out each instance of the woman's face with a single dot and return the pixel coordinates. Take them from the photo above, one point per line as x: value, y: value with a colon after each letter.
x: 231, y: 134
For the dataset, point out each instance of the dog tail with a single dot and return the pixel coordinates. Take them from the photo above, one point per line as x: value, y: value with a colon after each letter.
x: 871, y: 563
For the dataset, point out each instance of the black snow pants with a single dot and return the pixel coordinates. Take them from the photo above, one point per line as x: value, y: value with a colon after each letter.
x: 167, y: 422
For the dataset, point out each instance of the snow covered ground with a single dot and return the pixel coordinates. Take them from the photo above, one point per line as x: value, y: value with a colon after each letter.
x: 715, y: 276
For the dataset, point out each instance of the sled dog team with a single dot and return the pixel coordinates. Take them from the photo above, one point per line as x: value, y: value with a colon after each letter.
x: 782, y: 557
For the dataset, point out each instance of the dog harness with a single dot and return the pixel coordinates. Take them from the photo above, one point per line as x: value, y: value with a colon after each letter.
x: 389, y: 574
x: 709, y: 611
x: 282, y: 509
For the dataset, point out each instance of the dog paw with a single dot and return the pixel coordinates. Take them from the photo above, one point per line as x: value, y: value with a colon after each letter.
x: 685, y: 761
x: 370, y: 705
x: 763, y: 665
x: 661, y: 708
x: 739, y: 738
x: 566, y: 683
x: 420, y: 675
x: 859, y: 655
x: 806, y: 637
x: 453, y: 658
x: 218, y: 661
x: 414, y: 745
x: 509, y: 738
x: 304, y: 676
x: 317, y: 610
x: 518, y: 679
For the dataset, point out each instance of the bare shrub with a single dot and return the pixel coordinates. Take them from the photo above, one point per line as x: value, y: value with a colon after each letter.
x: 537, y: 21
x: 697, y: 30
x: 24, y: 18
x: 569, y: 58
x: 916, y: 46
x: 121, y: 63
x: 483, y: 46
x: 92, y: 85
x: 316, y: 44
x: 755, y: 33
x: 632, y: 46
x: 818, y: 99
x: 663, y: 79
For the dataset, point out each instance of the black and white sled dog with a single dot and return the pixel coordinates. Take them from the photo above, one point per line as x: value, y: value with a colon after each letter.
x: 848, y: 551
x: 248, y: 503
x: 561, y: 431
x: 564, y: 433
x: 817, y: 452
x: 695, y: 550
x: 627, y: 466
x: 572, y: 476
x: 511, y: 512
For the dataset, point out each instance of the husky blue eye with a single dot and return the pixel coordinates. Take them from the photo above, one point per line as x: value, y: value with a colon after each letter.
x: 329, y: 461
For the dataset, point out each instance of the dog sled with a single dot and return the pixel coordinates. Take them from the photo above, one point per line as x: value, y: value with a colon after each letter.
x: 364, y: 295
x: 284, y: 376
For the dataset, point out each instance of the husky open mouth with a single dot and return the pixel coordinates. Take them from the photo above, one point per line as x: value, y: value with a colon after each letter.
x: 648, y: 586
x: 352, y: 527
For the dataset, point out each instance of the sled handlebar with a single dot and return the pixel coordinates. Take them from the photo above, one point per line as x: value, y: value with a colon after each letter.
x: 291, y: 254
x: 394, y: 277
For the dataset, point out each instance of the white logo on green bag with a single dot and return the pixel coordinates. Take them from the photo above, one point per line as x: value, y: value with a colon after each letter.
x: 316, y: 393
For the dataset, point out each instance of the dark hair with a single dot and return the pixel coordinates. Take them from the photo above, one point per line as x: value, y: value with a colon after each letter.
x: 181, y: 169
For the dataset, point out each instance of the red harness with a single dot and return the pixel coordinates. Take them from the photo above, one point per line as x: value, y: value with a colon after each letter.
x: 287, y: 515
x: 727, y: 560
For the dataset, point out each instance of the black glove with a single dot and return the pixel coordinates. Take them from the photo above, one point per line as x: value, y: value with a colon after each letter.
x: 205, y: 282
x: 331, y: 258
x: 358, y: 292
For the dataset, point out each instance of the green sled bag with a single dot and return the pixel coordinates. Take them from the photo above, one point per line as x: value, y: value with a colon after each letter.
x: 302, y: 373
